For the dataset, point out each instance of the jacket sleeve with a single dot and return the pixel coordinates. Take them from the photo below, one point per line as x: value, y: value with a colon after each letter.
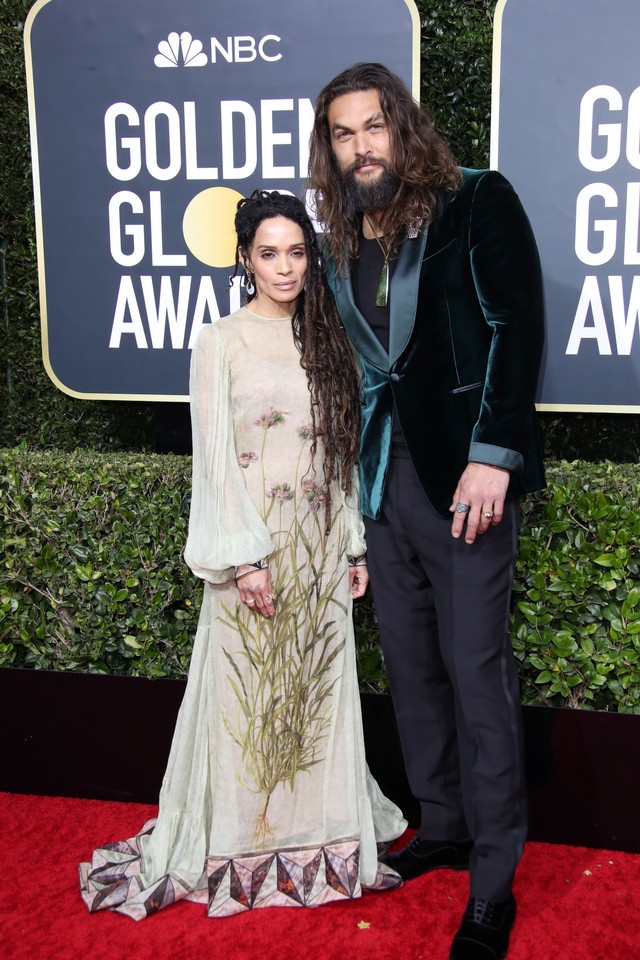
x: 508, y: 282
x: 225, y: 528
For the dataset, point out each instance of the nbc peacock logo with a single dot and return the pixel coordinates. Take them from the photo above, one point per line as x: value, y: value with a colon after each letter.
x: 180, y: 50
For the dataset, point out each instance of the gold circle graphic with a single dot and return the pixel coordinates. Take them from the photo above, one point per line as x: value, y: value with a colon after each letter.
x: 207, y: 226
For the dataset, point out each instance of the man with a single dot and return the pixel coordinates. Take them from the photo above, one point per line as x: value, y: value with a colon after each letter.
x: 437, y: 279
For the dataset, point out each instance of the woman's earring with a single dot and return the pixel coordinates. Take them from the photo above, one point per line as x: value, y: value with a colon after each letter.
x: 249, y: 282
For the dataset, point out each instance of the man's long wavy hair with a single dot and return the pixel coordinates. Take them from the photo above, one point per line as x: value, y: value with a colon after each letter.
x: 420, y: 159
x: 325, y: 352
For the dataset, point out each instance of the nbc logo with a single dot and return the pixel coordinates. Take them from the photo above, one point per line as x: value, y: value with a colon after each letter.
x: 180, y: 50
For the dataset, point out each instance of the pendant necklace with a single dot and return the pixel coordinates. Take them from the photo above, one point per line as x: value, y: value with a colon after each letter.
x: 382, y: 293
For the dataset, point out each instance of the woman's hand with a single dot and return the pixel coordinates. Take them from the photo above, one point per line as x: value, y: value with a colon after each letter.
x: 358, y: 580
x: 255, y: 589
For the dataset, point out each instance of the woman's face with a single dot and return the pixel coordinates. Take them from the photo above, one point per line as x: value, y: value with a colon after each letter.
x: 278, y: 260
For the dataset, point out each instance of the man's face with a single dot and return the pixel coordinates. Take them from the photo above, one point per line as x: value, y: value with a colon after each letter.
x: 360, y: 136
x: 361, y: 144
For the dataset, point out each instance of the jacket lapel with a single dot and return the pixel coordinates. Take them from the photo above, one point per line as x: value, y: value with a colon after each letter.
x: 360, y: 333
x: 405, y: 282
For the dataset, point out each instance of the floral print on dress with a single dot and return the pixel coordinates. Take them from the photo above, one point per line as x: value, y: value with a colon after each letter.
x: 280, y: 491
x: 280, y: 719
x: 305, y: 431
x: 272, y: 419
x: 244, y: 459
x: 315, y: 493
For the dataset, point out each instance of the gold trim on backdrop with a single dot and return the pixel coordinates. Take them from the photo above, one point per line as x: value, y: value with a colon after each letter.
x: 37, y: 202
x: 415, y: 49
x: 142, y: 397
x: 494, y: 136
x: 586, y: 408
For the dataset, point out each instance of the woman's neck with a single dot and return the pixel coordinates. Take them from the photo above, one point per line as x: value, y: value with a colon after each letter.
x: 267, y: 310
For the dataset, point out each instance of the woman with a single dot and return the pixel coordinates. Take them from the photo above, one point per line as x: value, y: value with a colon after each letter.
x: 267, y: 800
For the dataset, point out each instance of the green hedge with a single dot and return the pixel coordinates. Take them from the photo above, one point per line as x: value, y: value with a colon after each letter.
x: 576, y: 622
x: 94, y: 578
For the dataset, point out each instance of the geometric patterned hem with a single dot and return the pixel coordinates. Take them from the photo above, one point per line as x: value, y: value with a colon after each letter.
x: 302, y: 877
x: 386, y: 879
x: 305, y: 877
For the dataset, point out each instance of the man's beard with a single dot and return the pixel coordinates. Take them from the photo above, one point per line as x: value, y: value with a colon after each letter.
x: 364, y: 197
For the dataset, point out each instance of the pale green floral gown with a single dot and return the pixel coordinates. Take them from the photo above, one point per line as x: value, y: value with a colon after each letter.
x: 267, y: 799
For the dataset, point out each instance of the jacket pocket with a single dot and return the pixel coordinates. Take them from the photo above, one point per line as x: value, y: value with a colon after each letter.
x: 470, y: 386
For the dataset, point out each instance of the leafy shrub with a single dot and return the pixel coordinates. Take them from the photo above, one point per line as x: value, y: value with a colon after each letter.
x: 94, y: 579
x: 576, y: 622
x: 456, y: 39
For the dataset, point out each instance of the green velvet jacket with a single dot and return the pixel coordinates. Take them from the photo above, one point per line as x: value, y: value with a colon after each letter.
x: 466, y: 338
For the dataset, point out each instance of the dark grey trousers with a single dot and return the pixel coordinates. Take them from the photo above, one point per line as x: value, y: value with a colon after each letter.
x: 443, y: 608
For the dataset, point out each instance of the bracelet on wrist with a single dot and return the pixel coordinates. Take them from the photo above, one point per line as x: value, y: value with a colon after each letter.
x: 360, y: 561
x: 250, y: 567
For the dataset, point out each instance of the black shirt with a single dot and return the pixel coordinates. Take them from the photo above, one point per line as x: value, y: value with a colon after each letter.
x: 365, y: 277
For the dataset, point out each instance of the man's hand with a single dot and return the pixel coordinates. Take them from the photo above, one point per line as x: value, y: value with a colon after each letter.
x: 482, y: 488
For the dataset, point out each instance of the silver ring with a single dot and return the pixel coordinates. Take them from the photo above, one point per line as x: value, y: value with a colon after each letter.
x: 268, y: 598
x: 488, y: 515
x: 462, y: 508
x: 250, y: 600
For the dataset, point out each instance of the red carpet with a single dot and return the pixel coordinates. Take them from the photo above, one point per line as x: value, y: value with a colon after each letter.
x: 573, y: 904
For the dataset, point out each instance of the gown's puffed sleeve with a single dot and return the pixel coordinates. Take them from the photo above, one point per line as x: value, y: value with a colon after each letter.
x: 354, y: 524
x: 225, y: 528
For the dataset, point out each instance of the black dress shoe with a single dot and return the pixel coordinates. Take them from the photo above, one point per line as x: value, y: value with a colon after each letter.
x: 484, y: 931
x: 420, y: 856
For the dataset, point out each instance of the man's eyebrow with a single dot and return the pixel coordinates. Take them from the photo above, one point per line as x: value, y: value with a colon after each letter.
x: 378, y: 115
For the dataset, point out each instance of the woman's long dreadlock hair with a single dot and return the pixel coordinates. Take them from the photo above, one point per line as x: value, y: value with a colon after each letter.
x: 325, y: 352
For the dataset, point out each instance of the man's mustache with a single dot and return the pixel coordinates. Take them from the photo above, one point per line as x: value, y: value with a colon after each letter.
x: 363, y: 162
